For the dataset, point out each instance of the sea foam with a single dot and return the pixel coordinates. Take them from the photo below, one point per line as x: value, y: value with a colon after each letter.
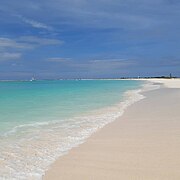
x: 40, y: 144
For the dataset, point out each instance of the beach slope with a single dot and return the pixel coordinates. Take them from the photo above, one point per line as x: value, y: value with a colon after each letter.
x: 143, y: 144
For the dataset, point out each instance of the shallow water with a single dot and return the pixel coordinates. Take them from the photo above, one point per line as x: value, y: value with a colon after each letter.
x: 41, y: 120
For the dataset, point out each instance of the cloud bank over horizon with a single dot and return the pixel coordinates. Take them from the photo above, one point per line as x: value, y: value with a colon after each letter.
x: 89, y: 39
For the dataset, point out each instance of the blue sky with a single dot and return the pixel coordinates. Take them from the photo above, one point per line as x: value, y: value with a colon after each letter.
x: 88, y: 38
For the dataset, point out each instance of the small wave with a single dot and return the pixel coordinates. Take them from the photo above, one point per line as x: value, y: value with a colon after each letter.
x: 24, y: 126
x: 43, y: 142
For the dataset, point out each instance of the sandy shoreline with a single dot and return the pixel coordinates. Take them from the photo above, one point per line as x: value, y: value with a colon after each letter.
x: 142, y: 144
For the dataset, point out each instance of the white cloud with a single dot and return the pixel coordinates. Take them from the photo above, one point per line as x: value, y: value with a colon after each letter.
x: 26, y: 42
x: 59, y: 59
x: 12, y: 43
x: 7, y: 45
x: 40, y: 41
x: 34, y: 23
x: 105, y: 64
x: 9, y: 56
x: 112, y: 62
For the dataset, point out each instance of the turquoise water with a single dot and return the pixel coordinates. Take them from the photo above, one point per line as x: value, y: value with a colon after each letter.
x: 51, y: 115
x: 28, y: 102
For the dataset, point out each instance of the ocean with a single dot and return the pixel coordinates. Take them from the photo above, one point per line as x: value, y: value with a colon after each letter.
x: 42, y: 120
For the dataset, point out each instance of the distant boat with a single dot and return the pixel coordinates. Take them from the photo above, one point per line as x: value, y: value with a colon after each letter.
x: 33, y: 79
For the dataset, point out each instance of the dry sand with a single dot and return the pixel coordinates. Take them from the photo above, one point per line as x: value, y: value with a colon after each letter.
x: 143, y: 144
x: 170, y: 83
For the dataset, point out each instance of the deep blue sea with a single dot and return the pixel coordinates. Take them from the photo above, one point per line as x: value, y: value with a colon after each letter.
x: 42, y: 120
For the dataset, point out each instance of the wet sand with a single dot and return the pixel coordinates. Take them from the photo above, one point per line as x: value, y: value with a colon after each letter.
x: 143, y: 144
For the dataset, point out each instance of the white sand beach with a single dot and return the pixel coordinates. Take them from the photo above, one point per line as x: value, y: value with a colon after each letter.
x: 143, y: 144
